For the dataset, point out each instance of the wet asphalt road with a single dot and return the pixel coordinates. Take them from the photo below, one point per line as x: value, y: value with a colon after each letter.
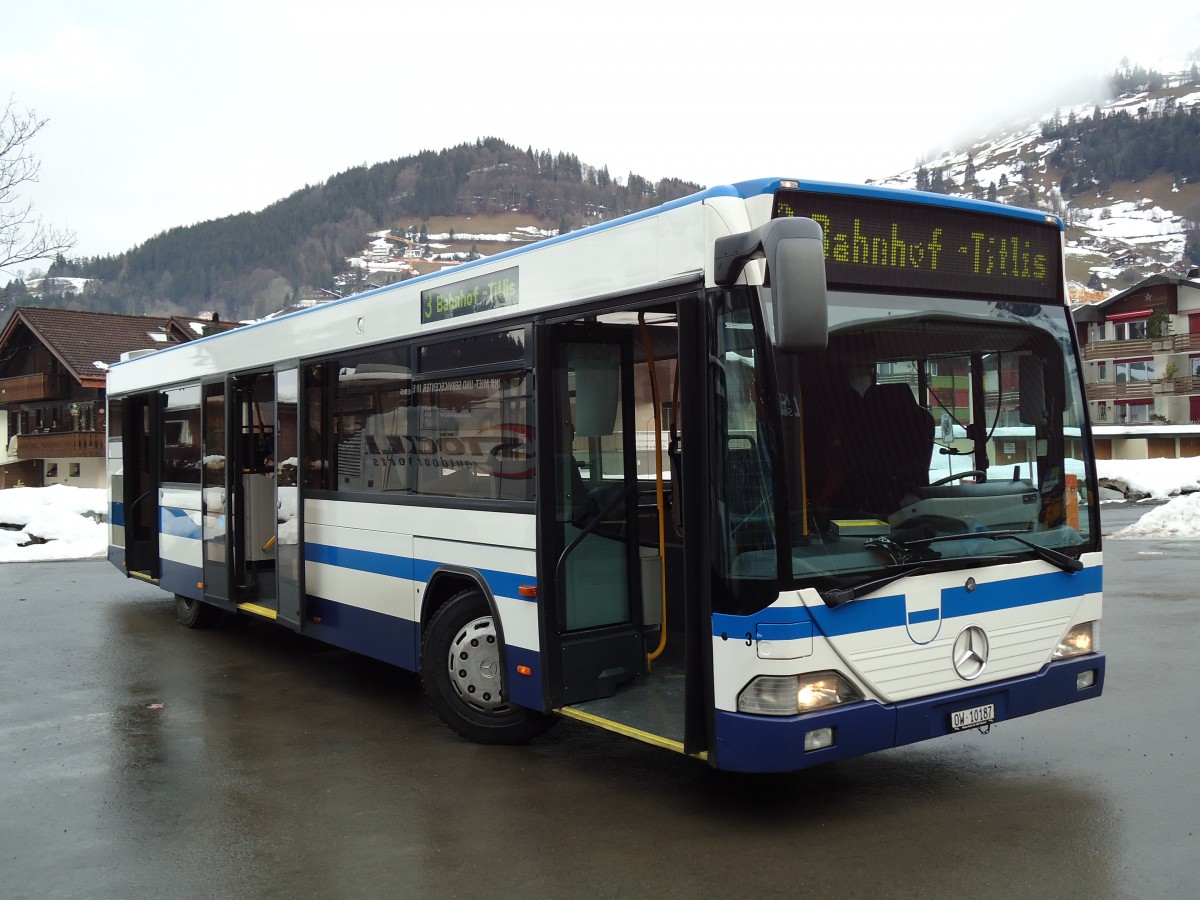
x: 140, y: 759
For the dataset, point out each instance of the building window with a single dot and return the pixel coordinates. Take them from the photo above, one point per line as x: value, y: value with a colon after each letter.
x: 1138, y: 370
x: 1130, y: 331
x: 1102, y: 412
x: 1102, y: 371
x: 1133, y: 413
x: 51, y: 470
x: 74, y: 470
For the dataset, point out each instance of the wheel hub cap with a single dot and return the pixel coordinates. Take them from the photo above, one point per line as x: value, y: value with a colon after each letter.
x: 474, y: 666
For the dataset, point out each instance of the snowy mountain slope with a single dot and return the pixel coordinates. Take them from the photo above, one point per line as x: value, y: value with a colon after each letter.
x: 1115, y: 237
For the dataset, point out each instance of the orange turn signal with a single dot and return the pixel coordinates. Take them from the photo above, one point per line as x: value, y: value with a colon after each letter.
x: 524, y: 670
x: 527, y: 590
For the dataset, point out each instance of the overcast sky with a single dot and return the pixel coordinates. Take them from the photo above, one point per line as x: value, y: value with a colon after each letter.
x: 165, y: 114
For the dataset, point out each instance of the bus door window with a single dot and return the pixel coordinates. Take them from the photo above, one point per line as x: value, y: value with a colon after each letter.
x: 591, y: 466
x: 255, y: 502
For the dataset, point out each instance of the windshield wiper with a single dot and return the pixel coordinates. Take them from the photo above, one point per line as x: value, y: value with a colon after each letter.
x: 841, y: 596
x: 1064, y: 562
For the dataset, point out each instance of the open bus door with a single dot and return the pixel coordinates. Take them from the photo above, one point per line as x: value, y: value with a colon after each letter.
x: 588, y: 529
x: 240, y: 494
x: 141, y: 459
x: 612, y: 661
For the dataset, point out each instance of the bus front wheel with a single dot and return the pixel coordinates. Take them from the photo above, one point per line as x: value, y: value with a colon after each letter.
x: 461, y: 671
x: 196, y: 613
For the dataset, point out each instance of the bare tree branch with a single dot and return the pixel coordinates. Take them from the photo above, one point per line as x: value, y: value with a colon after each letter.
x: 24, y: 237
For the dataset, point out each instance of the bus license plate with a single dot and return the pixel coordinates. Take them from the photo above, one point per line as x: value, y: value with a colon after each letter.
x: 969, y: 718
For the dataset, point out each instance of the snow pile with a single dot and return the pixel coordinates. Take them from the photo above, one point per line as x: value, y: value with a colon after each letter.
x: 68, y: 520
x: 1156, y: 479
x: 1179, y: 519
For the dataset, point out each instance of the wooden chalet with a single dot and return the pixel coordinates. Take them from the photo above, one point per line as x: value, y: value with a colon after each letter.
x: 53, y: 367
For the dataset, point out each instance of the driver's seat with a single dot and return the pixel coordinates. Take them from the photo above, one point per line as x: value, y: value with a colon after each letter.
x: 901, y: 446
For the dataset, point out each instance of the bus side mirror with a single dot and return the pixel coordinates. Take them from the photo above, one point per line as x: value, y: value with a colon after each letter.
x: 795, y: 304
x: 795, y: 252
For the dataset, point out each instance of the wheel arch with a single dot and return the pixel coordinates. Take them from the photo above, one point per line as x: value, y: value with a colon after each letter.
x: 447, y: 582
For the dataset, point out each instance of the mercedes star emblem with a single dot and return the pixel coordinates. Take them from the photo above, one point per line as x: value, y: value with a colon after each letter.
x: 970, y: 652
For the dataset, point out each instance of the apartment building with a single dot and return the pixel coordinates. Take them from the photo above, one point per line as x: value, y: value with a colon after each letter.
x: 1141, y: 358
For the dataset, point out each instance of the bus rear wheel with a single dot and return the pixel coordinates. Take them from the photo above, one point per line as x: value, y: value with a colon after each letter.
x: 461, y: 670
x: 196, y: 613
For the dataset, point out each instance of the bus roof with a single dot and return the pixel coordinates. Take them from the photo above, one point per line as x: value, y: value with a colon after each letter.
x: 657, y: 246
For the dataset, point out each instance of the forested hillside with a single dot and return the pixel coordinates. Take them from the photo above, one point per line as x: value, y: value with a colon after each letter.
x: 251, y: 264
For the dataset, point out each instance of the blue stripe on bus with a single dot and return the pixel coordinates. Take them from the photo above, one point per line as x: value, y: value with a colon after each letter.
x: 501, y: 584
x: 924, y: 615
x: 359, y: 560
x: 784, y: 631
x: 878, y: 613
x: 1016, y: 592
x: 116, y: 513
x: 177, y: 522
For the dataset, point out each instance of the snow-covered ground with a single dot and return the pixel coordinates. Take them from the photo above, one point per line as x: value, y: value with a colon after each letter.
x: 68, y: 519
x: 60, y: 522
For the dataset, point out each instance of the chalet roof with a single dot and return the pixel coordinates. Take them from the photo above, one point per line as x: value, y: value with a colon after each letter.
x: 1096, y: 312
x: 80, y: 338
x: 1150, y: 282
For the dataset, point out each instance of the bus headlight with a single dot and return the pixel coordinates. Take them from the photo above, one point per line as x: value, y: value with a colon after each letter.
x: 787, y: 695
x: 1079, y: 641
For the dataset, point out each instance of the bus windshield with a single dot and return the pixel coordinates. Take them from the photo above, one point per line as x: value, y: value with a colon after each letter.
x: 932, y: 432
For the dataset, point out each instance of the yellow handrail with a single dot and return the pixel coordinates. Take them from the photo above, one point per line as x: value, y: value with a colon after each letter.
x: 658, y: 486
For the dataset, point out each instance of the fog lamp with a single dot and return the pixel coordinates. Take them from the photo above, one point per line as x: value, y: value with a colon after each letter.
x: 1085, y: 679
x: 1078, y: 641
x: 818, y: 739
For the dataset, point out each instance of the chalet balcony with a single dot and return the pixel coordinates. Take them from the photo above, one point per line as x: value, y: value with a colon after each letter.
x: 58, y: 445
x: 31, y: 388
x: 1182, y: 343
x: 1120, y: 390
x: 1188, y: 384
x: 1171, y: 343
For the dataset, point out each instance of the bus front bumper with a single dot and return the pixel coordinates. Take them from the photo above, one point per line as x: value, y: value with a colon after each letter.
x: 751, y: 743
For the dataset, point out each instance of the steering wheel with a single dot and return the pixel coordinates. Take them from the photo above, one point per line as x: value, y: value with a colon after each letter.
x: 957, y: 475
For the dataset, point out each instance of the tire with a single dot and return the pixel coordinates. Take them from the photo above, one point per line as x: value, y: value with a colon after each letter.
x: 196, y: 613
x: 461, y: 669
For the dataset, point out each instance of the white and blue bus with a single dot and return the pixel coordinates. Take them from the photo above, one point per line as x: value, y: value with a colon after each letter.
x: 777, y: 474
